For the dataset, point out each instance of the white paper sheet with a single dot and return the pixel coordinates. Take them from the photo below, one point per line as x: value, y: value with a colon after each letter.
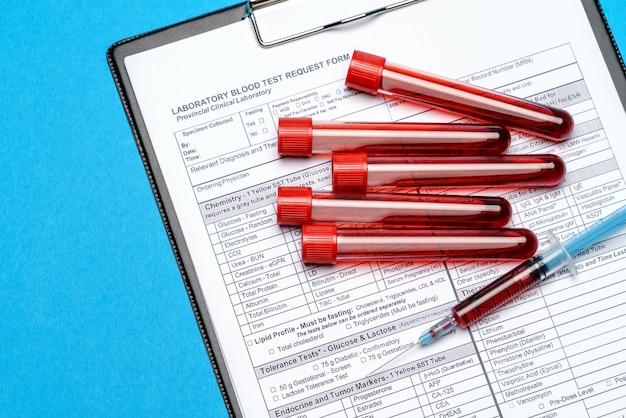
x: 299, y: 340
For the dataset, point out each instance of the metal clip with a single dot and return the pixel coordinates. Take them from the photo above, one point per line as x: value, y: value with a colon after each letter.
x: 255, y: 5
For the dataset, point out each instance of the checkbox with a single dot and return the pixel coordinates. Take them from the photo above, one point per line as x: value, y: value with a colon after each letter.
x: 271, y: 351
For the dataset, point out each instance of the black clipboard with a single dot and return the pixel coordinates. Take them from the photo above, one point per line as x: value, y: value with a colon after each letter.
x: 119, y: 51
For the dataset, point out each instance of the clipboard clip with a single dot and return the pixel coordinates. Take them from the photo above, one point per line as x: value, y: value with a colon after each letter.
x: 255, y: 8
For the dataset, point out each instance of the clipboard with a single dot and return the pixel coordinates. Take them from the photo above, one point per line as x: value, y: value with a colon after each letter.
x: 289, y: 401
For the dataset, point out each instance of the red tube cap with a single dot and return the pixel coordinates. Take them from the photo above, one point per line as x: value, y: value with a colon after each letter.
x: 294, y: 205
x: 319, y: 244
x: 295, y: 137
x: 349, y: 172
x: 365, y: 72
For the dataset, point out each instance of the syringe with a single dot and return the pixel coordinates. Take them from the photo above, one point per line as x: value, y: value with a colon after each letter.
x: 519, y: 279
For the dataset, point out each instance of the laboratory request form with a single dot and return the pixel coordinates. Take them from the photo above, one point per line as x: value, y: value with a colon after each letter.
x: 297, y: 340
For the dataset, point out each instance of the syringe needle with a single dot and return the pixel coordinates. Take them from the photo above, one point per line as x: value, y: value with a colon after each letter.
x: 400, y: 354
x: 521, y: 278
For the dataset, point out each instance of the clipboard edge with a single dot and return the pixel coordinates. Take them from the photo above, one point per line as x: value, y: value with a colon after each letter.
x: 608, y: 47
x: 115, y: 56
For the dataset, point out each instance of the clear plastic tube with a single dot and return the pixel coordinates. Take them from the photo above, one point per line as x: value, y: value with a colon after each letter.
x: 373, y: 74
x: 327, y: 244
x: 303, y: 137
x: 302, y: 205
x: 358, y: 172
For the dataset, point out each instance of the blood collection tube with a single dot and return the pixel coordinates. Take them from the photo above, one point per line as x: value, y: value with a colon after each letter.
x: 358, y: 172
x: 327, y: 244
x: 303, y: 137
x: 302, y: 205
x: 373, y: 74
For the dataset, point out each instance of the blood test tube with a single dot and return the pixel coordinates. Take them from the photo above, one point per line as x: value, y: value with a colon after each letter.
x: 302, y: 205
x: 357, y: 172
x: 303, y: 137
x: 327, y: 244
x: 373, y: 74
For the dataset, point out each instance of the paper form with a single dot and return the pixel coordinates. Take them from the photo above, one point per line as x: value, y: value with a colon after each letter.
x: 299, y: 340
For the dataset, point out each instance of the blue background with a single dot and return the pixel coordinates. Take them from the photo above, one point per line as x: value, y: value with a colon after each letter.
x: 94, y: 318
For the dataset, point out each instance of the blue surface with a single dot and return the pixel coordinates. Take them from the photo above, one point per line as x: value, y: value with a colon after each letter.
x: 94, y: 318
